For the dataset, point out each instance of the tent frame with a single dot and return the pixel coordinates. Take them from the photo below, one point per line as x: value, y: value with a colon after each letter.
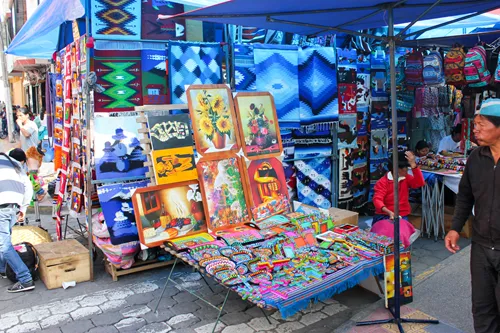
x: 392, y: 40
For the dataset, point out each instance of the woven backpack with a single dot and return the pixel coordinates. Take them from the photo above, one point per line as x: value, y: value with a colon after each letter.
x: 433, y: 69
x: 497, y: 71
x: 454, y: 63
x: 476, y: 67
x: 414, y: 68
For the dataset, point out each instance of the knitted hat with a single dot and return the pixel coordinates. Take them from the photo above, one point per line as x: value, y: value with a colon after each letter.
x: 490, y: 107
x: 18, y: 154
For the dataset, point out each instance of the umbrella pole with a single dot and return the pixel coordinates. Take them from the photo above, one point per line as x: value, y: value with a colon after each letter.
x: 396, y: 311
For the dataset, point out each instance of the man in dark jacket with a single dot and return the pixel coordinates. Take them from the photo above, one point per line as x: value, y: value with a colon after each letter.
x: 480, y: 189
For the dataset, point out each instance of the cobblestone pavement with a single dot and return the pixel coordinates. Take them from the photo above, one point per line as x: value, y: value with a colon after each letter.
x: 127, y: 305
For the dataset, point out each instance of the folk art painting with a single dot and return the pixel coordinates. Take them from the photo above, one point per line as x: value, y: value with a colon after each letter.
x: 267, y: 187
x: 213, y: 118
x: 224, y: 192
x: 171, y: 131
x: 174, y: 165
x: 258, y: 123
x: 166, y: 212
x: 116, y: 203
x: 406, y: 290
x: 118, y: 151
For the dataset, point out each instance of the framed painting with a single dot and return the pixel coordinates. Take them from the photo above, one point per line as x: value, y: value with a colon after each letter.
x: 223, y: 191
x: 170, y: 131
x: 267, y: 186
x: 258, y: 124
x: 118, y: 151
x: 213, y: 118
x: 174, y: 165
x: 166, y: 212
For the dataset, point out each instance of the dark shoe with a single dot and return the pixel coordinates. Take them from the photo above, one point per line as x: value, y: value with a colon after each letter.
x: 20, y: 287
x: 3, y: 276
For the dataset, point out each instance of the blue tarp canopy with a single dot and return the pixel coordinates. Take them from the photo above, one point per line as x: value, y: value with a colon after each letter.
x: 316, y: 17
x: 47, y: 29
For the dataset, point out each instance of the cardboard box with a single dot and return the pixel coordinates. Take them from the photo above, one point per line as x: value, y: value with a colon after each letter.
x: 339, y: 216
x: 342, y: 216
x: 63, y: 261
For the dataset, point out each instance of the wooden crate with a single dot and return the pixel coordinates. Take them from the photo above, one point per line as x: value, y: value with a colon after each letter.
x: 138, y: 266
x: 63, y: 261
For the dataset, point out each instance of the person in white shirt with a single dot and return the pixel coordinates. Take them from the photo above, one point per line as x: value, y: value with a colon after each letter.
x: 16, y: 193
x: 28, y: 130
x: 451, y: 143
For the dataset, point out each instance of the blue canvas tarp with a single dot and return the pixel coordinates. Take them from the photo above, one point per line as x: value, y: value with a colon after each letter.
x: 39, y: 36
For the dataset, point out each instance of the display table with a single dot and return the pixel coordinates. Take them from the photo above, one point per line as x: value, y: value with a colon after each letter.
x: 298, y: 298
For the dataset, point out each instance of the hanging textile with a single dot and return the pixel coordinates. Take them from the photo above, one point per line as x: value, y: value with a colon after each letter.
x: 379, y: 142
x: 318, y: 92
x: 276, y: 69
x: 289, y: 167
x: 347, y: 80
x: 154, y: 77
x: 362, y: 80
x: 314, y: 175
x: 192, y: 63
x: 152, y: 27
x: 359, y: 155
x: 244, y: 68
x: 116, y: 19
x: 119, y: 73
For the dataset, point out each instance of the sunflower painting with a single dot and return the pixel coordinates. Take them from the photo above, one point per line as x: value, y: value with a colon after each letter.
x: 260, y: 134
x: 223, y: 192
x: 212, y: 115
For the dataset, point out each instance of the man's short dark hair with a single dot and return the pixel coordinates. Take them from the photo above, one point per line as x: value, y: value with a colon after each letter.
x: 422, y: 144
x: 18, y: 154
x: 457, y: 129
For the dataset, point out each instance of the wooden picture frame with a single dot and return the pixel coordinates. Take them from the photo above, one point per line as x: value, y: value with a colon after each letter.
x: 267, y: 188
x: 213, y: 119
x: 178, y: 213
x: 215, y: 190
x: 258, y: 124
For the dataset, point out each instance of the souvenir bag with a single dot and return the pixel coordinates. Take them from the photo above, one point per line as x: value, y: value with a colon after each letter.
x: 454, y: 63
x: 414, y: 69
x: 497, y: 70
x: 400, y: 71
x: 433, y: 69
x: 475, y: 70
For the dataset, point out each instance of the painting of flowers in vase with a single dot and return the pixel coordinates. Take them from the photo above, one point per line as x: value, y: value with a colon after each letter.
x: 213, y: 118
x: 267, y: 186
x: 166, y: 212
x: 258, y: 124
x: 223, y: 191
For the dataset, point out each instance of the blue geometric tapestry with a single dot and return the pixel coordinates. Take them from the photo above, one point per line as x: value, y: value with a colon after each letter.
x: 276, y: 68
x: 192, y: 63
x: 244, y: 67
x: 318, y: 86
x: 314, y: 175
x: 117, y: 19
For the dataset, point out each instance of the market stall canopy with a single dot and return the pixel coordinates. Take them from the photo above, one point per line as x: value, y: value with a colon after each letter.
x: 468, y: 40
x: 316, y: 17
x: 39, y: 36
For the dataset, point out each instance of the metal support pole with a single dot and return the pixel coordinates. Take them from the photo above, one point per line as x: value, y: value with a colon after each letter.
x: 392, y: 49
x: 88, y: 117
x: 5, y: 78
x: 165, y: 286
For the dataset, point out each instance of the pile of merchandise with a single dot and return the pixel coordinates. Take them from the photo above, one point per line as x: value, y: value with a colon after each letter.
x: 441, y: 162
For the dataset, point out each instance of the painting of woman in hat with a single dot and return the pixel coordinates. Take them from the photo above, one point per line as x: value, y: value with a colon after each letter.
x: 118, y: 152
x: 137, y: 158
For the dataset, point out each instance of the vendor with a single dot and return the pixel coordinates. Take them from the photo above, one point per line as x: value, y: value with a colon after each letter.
x: 422, y: 149
x: 383, y: 198
x: 451, y: 143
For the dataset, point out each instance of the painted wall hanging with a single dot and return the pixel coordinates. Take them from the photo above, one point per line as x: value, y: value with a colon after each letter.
x: 267, y: 186
x: 154, y: 77
x: 171, y: 131
x: 213, y: 118
x: 116, y: 203
x: 223, y: 192
x: 174, y: 165
x: 168, y: 211
x: 258, y: 124
x: 118, y: 152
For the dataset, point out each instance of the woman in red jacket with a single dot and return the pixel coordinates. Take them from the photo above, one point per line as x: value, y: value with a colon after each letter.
x: 383, y: 198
